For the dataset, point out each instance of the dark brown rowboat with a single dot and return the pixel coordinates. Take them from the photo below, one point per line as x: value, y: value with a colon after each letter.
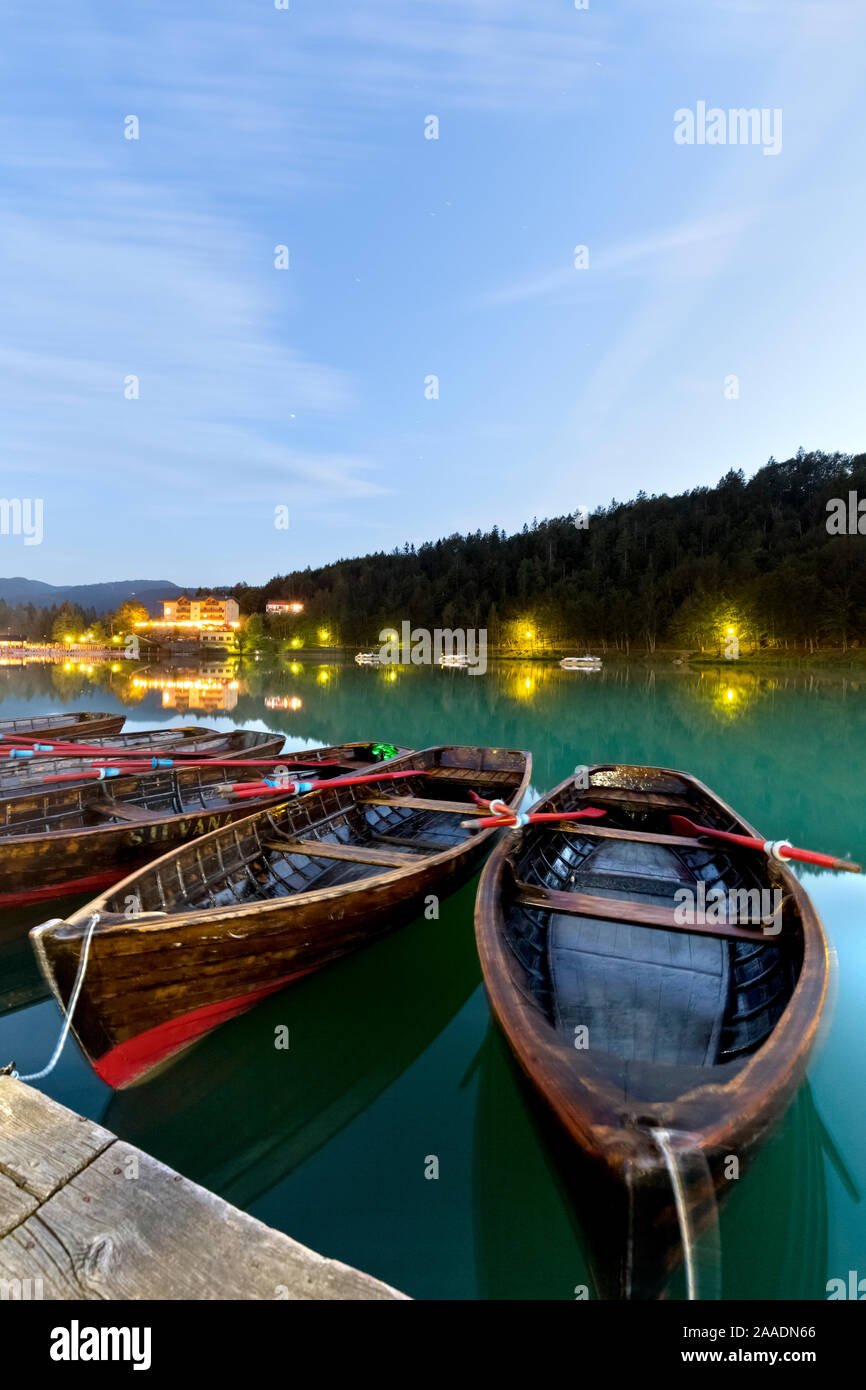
x: 82, y: 725
x: 22, y: 774
x: 697, y: 1034
x: 79, y: 837
x: 248, y: 909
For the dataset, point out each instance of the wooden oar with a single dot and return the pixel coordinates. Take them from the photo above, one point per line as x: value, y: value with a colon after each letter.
x: 242, y: 789
x: 532, y: 818
x: 777, y: 849
x: 140, y: 764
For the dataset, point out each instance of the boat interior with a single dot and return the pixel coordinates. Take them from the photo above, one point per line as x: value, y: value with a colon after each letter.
x: 334, y: 836
x: 176, y: 791
x: 653, y: 1000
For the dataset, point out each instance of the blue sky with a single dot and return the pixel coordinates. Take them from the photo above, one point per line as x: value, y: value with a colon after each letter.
x: 409, y: 257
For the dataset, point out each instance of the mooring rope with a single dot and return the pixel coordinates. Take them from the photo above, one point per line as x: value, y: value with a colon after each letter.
x: 73, y: 1000
x: 697, y: 1287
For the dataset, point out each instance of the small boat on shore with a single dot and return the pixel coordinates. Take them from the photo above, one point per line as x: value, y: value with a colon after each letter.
x: 581, y: 663
x: 81, y: 837
x: 21, y: 774
x: 663, y: 1043
x: 82, y: 725
x: 249, y: 908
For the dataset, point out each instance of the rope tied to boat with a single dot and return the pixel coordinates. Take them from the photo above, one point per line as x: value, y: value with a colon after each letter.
x: 692, y: 1184
x: 73, y: 1000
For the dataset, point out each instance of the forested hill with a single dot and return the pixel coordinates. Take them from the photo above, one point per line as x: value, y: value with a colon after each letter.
x: 756, y: 556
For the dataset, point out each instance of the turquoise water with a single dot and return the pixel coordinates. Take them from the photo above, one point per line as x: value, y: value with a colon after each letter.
x: 393, y: 1060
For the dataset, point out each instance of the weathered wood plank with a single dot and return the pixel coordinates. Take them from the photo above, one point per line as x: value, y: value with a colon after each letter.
x: 624, y: 910
x: 15, y: 1204
x: 43, y: 1144
x: 355, y: 854
x: 124, y: 1226
x: 422, y: 803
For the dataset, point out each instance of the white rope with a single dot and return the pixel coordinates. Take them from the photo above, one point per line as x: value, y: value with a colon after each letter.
x: 73, y: 1000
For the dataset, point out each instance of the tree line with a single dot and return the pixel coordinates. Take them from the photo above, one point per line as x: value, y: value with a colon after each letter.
x: 754, y: 558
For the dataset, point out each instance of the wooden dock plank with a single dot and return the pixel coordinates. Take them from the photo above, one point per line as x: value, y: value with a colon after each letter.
x: 42, y: 1144
x: 124, y: 1226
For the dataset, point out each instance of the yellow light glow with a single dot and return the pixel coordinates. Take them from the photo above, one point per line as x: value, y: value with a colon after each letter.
x: 324, y: 634
x: 527, y: 634
x: 294, y: 668
x: 730, y: 631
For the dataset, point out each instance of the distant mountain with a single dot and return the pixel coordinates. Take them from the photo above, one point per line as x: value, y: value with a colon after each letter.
x: 102, y: 597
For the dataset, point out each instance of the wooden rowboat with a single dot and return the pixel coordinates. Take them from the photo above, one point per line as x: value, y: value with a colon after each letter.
x: 80, y: 725
x: 22, y: 774
x: 666, y: 1046
x: 248, y: 909
x: 79, y: 837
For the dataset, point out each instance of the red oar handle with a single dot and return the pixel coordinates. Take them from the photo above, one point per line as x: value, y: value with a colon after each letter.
x: 779, y: 850
x: 535, y: 818
x: 262, y: 789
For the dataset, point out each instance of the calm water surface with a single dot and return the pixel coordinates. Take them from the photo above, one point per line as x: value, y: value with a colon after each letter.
x: 393, y: 1057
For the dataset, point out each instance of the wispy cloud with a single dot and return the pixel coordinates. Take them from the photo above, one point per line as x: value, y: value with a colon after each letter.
x: 691, y: 249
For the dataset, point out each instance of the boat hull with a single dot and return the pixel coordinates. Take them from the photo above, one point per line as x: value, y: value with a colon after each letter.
x: 158, y: 981
x: 21, y: 776
x: 78, y: 726
x: 607, y: 1107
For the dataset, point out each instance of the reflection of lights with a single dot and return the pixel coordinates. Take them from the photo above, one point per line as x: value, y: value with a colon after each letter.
x: 283, y: 702
x: 294, y: 668
x: 324, y: 677
x: 392, y: 675
x: 296, y: 641
x: 730, y: 694
x: 160, y: 684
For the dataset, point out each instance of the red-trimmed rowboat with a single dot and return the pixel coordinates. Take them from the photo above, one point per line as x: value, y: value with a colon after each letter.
x: 81, y: 725
x: 246, y: 910
x: 81, y: 837
x: 657, y: 1040
x: 24, y: 774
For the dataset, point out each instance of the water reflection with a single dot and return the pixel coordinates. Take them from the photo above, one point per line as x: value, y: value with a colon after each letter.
x: 366, y: 1066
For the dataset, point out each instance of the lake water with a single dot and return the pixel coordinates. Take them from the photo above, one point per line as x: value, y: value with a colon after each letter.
x: 393, y: 1058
